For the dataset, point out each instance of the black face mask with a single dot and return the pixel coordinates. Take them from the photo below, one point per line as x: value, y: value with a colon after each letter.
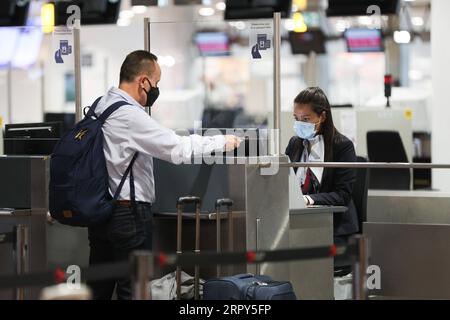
x: 152, y: 95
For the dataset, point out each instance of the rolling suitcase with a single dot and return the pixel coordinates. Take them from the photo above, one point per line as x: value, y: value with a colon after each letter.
x: 247, y: 287
x: 180, y: 205
x: 219, y: 203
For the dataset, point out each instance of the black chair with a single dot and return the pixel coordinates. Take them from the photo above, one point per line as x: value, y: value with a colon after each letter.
x: 387, y: 146
x: 360, y: 190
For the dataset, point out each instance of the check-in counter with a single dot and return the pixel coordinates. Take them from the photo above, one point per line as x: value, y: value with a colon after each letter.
x: 409, y: 232
x: 263, y: 221
x: 23, y: 206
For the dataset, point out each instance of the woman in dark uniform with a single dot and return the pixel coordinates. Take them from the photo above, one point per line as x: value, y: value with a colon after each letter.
x: 317, y: 139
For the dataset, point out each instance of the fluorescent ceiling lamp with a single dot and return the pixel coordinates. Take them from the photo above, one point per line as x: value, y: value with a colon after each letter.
x: 206, y: 12
x: 221, y: 6
x: 126, y: 14
x: 289, y: 24
x: 402, y: 37
x: 417, y: 21
x: 122, y: 22
x: 139, y: 9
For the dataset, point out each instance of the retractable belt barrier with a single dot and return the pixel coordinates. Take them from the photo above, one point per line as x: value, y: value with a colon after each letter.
x: 125, y: 269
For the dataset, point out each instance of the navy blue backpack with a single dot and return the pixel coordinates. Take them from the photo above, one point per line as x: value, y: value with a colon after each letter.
x: 79, y: 189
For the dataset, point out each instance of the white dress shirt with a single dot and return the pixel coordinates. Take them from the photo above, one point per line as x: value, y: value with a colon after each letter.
x: 317, y: 154
x: 129, y: 130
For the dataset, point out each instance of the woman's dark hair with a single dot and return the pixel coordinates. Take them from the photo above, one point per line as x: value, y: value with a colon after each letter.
x: 316, y: 98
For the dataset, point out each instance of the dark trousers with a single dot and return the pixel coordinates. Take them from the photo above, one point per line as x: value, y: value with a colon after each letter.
x: 114, y: 241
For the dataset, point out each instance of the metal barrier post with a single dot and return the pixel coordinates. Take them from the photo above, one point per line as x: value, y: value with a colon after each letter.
x: 21, y: 257
x: 142, y: 262
x: 276, y: 82
x: 77, y: 64
x: 360, y: 268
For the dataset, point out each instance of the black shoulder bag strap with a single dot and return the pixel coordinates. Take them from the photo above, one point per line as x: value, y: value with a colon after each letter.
x: 122, y: 182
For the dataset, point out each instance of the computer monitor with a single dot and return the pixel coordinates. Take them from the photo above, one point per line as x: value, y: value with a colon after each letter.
x: 31, y: 138
x: 306, y: 42
x: 13, y: 12
x: 256, y: 9
x: 66, y: 119
x: 212, y: 43
x: 92, y: 11
x: 364, y: 40
x: 359, y: 7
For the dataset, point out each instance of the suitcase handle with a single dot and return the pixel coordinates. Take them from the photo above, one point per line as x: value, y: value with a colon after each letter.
x: 223, y: 202
x: 190, y: 199
x: 180, y: 203
x: 219, y: 203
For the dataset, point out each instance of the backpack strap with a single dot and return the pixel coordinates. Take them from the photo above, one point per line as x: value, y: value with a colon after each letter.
x: 122, y: 182
x: 91, y: 111
x: 110, y: 110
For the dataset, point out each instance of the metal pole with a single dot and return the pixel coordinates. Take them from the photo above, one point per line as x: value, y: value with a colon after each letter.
x: 21, y: 255
x: 42, y: 67
x: 276, y: 82
x: 258, y: 224
x: 77, y: 65
x: 179, y: 243
x: 142, y: 273
x: 376, y: 165
x: 147, y: 34
x: 218, y: 237
x: 197, y: 251
x: 360, y: 268
x: 147, y: 47
x: 9, y: 92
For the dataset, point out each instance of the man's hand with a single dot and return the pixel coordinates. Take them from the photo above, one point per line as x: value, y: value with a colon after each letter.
x: 232, y: 142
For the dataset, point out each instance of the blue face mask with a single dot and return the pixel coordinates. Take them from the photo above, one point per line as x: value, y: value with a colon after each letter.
x: 305, y: 130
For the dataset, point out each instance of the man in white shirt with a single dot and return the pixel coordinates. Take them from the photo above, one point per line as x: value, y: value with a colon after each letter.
x: 127, y: 131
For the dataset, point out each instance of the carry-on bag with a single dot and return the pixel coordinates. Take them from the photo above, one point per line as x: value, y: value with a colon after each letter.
x: 247, y: 287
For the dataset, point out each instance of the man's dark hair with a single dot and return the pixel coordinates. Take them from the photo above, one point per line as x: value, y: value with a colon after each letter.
x: 135, y: 63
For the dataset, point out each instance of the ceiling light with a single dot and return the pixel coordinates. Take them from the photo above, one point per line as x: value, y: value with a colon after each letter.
x: 139, y: 9
x: 402, y: 37
x: 206, y: 11
x: 126, y: 14
x: 221, y: 6
x: 123, y: 22
x: 417, y: 21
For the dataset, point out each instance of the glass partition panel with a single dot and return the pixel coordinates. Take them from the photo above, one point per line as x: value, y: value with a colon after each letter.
x: 215, y: 74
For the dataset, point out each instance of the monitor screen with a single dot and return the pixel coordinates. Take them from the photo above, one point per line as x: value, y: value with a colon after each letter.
x: 31, y: 138
x: 212, y: 43
x: 66, y: 119
x: 364, y: 40
x: 256, y: 9
x: 306, y: 42
x: 359, y: 7
x: 13, y: 12
x: 92, y: 11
